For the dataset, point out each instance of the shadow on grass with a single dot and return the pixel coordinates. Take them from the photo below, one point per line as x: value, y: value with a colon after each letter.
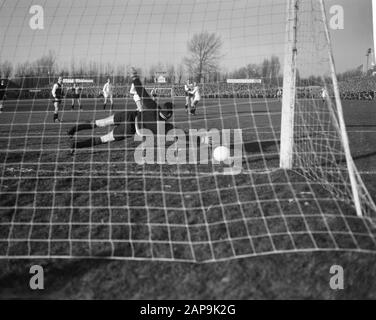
x: 365, y: 156
x: 261, y: 146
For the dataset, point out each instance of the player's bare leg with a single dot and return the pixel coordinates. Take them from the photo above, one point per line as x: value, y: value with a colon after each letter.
x: 92, y: 142
x: 194, y: 107
x: 105, y: 103
x: 56, y: 112
x: 136, y: 98
x: 102, y: 123
x: 187, y: 103
x: 138, y: 102
x: 139, y: 106
x: 1, y: 106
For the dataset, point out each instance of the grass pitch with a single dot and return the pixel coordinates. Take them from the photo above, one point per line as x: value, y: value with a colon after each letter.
x: 42, y: 183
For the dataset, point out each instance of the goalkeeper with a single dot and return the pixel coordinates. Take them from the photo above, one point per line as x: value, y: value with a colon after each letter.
x: 127, y: 123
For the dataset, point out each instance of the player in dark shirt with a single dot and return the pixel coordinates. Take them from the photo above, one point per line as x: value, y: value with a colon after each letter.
x: 76, y: 95
x: 3, y: 88
x: 57, y: 94
x: 127, y: 123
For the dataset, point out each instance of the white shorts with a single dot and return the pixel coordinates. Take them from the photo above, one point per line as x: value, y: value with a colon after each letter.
x: 107, y: 95
x: 136, y: 98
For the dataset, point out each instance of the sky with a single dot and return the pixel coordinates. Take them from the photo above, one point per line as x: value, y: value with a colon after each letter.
x: 144, y: 32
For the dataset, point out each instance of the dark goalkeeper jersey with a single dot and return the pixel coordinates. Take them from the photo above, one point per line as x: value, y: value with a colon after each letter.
x: 129, y: 123
x: 58, y: 90
x: 149, y: 117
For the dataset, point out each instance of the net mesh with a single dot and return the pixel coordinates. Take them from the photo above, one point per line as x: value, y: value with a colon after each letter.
x: 101, y: 202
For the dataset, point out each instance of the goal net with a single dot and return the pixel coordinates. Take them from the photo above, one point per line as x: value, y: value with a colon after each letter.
x: 267, y: 91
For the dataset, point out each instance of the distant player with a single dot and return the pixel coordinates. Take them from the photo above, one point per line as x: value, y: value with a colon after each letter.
x: 324, y: 94
x: 188, y: 94
x: 127, y: 123
x: 136, y: 98
x: 196, y: 98
x: 3, y: 89
x: 76, y: 95
x: 57, y: 94
x: 154, y: 93
x: 279, y: 94
x: 108, y: 94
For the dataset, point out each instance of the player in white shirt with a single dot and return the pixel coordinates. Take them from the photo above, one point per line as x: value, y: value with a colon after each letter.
x: 57, y: 94
x: 188, y: 94
x: 108, y: 94
x: 196, y: 98
x: 154, y: 93
x: 136, y: 98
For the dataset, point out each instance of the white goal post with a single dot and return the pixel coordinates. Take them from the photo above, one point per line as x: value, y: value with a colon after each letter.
x: 289, y: 86
x: 289, y: 98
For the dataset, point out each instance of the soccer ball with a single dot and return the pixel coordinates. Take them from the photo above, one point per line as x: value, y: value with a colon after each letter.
x: 221, y: 154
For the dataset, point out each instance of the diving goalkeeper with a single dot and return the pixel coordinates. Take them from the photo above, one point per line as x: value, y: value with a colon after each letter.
x: 127, y: 123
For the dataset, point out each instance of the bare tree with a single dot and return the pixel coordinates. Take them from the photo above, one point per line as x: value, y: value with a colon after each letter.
x: 81, y: 68
x: 93, y: 69
x: 170, y: 69
x: 6, y: 69
x: 351, y: 74
x: 46, y: 64
x: 154, y: 69
x: 270, y: 69
x: 253, y: 70
x: 275, y: 66
x: 73, y: 69
x: 179, y: 73
x: 109, y: 71
x: 204, y: 54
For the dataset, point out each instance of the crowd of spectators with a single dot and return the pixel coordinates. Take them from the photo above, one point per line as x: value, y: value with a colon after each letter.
x: 355, y: 89
x: 363, y: 88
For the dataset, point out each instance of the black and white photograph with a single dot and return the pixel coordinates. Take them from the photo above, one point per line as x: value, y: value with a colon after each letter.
x: 173, y: 150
